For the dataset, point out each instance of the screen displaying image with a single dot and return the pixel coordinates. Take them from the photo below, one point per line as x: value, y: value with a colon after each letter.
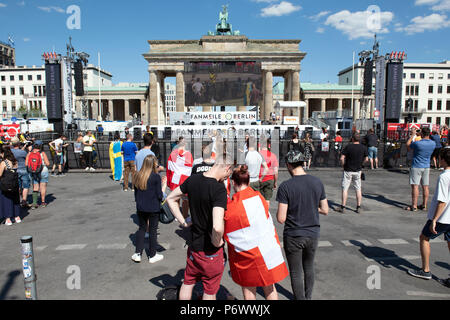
x: 236, y: 83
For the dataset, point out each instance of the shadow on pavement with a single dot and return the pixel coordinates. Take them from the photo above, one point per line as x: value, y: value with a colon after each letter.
x: 383, y: 199
x: 9, y: 283
x: 444, y: 265
x: 385, y: 257
x: 280, y: 289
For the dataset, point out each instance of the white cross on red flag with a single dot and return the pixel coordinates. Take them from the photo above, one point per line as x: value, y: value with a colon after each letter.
x: 253, y: 246
x: 179, y: 167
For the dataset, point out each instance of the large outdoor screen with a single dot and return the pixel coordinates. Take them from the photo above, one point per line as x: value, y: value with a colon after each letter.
x: 237, y: 83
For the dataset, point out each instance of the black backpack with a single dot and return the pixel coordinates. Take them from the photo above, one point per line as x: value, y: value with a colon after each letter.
x: 170, y: 292
x: 9, y: 181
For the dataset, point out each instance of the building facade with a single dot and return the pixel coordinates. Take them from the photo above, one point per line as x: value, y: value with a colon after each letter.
x: 7, y: 55
x: 427, y: 84
x: 170, y: 98
x: 23, y: 88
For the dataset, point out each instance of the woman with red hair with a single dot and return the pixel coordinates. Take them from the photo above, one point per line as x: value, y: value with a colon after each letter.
x: 254, y: 250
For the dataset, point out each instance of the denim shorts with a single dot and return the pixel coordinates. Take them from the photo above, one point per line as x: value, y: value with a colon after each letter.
x: 24, y: 179
x: 440, y: 229
x: 40, y: 178
x: 373, y: 152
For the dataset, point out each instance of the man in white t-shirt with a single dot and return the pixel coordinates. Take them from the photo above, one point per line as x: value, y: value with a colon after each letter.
x: 438, y: 218
x: 88, y: 142
x: 254, y: 160
x: 58, y: 145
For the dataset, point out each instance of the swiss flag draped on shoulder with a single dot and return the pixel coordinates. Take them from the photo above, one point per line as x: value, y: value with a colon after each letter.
x: 179, y: 167
x: 254, y: 249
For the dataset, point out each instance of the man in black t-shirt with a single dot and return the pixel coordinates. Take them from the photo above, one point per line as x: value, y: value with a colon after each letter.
x: 371, y: 140
x: 206, y: 164
x: 353, y: 157
x: 207, y: 203
x: 300, y: 201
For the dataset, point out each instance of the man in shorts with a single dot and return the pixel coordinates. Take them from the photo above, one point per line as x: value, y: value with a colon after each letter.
x: 353, y: 157
x: 420, y: 168
x: 438, y: 219
x: 207, y: 203
x: 372, y: 148
x: 58, y: 146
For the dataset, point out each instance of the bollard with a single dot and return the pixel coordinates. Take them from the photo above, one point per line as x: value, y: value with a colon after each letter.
x: 28, y: 268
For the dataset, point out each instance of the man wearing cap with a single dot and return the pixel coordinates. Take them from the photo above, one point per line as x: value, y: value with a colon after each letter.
x: 24, y: 178
x: 300, y: 201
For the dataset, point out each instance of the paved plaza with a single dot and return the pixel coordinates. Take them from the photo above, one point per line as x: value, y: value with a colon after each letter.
x: 90, y: 223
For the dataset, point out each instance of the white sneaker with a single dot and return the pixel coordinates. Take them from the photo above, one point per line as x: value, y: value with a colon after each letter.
x: 156, y: 258
x: 136, y: 257
x: 92, y: 169
x: 87, y: 169
x: 8, y: 223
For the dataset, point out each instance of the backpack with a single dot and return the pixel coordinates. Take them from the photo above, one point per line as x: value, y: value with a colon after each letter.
x: 170, y: 292
x: 9, y: 181
x: 34, y: 164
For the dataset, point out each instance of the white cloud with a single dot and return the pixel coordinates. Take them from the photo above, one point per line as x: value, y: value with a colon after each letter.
x: 319, y: 15
x: 50, y: 9
x: 281, y: 9
x: 22, y: 3
x: 320, y: 30
x: 360, y: 24
x: 436, y: 5
x: 2, y: 5
x: 26, y: 39
x: 420, y: 24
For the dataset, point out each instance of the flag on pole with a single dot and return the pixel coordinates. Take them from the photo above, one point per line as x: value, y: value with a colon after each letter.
x: 179, y: 167
x: 254, y: 249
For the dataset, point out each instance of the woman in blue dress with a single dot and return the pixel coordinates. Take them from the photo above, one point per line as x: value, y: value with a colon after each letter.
x: 116, y: 158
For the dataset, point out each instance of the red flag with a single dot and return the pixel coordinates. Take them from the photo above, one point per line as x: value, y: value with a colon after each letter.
x: 254, y: 249
x: 179, y: 167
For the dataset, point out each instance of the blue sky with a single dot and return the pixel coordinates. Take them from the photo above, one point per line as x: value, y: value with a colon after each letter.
x: 330, y: 30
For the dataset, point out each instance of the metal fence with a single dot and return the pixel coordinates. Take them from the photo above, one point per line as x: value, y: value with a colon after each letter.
x: 396, y: 154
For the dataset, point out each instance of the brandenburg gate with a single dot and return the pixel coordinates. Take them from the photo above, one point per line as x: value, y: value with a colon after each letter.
x: 167, y: 58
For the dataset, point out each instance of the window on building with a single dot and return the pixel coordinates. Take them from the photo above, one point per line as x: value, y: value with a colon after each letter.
x: 448, y: 76
x: 448, y: 89
x: 43, y: 90
x: 30, y: 77
x: 430, y: 89
x: 20, y: 77
x: 39, y: 77
x: 429, y: 120
x: 40, y: 105
x: 13, y: 108
x: 5, y: 109
x: 3, y: 78
x: 416, y: 93
x: 11, y: 78
x: 439, y: 89
x: 3, y: 91
x: 416, y: 105
x: 21, y: 91
x: 439, y: 105
x: 422, y: 76
x: 448, y: 105
x: 413, y: 75
x: 430, y: 105
x: 407, y: 91
x: 431, y: 76
x: 441, y: 76
x: 438, y: 121
x: 447, y: 121
x: 13, y: 91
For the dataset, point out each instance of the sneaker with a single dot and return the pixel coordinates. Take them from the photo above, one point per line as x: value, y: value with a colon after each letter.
x: 358, y: 210
x: 420, y: 274
x: 341, y: 209
x: 157, y: 257
x: 87, y: 169
x: 136, y: 257
x: 24, y: 204
x: 8, y: 223
x: 125, y: 190
x: 92, y: 169
x: 43, y: 205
